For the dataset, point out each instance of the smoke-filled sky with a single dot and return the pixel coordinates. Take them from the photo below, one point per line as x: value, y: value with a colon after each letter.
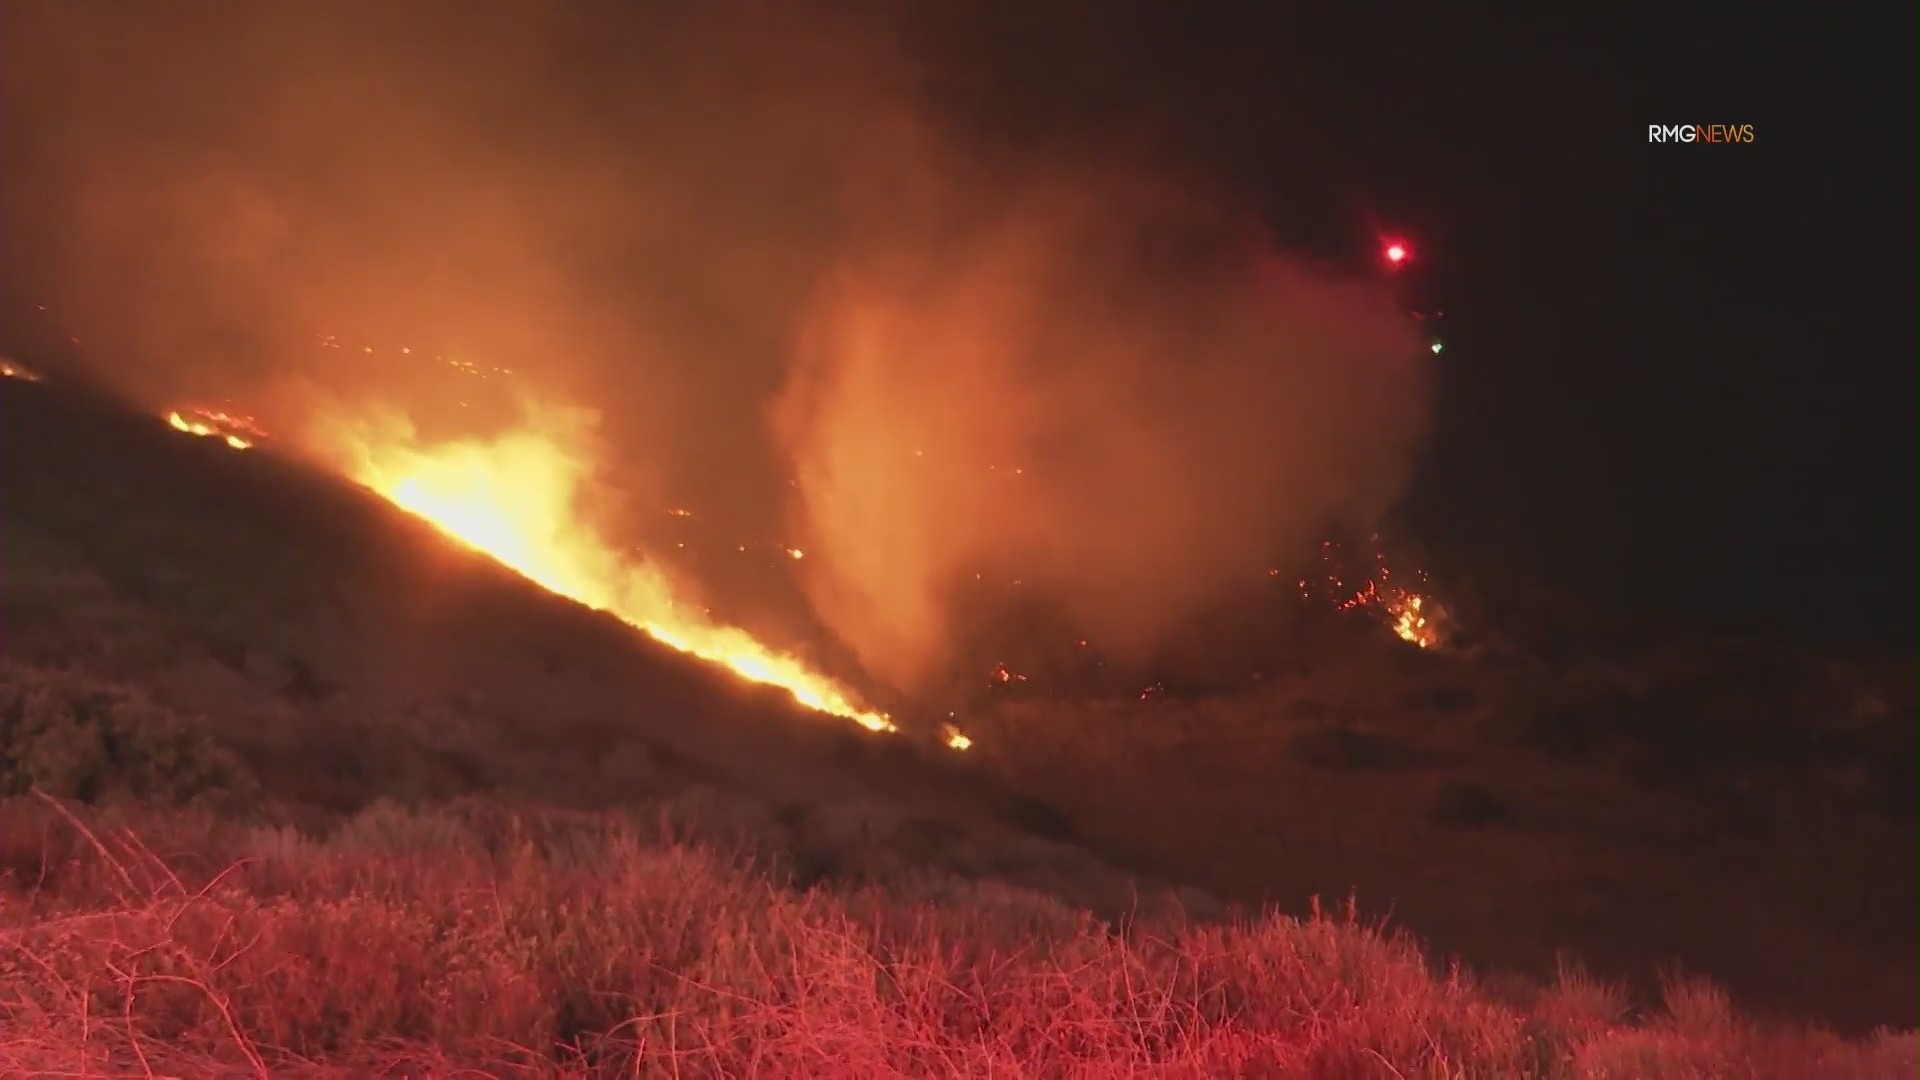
x: 807, y: 282
x: 1678, y: 377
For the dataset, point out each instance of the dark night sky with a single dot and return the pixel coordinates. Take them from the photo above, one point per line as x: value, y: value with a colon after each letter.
x: 1686, y: 372
x: 1672, y: 371
x: 1682, y: 371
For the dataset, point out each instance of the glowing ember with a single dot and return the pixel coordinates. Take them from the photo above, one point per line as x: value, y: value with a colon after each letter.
x: 12, y: 370
x: 955, y: 738
x: 517, y: 498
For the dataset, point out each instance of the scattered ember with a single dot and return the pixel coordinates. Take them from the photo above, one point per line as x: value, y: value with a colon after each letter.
x: 1408, y: 612
x: 459, y: 364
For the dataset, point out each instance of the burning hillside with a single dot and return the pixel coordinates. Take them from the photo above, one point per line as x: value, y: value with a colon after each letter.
x: 526, y: 495
x: 863, y: 341
x: 516, y: 497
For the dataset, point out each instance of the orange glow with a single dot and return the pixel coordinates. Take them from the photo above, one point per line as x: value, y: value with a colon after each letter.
x: 516, y: 498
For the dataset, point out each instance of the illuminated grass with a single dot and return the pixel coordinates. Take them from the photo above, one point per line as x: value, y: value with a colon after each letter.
x: 472, y: 937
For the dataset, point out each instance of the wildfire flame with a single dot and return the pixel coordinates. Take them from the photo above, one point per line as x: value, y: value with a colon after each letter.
x: 1408, y: 623
x: 513, y: 498
x: 516, y: 498
x: 238, y: 432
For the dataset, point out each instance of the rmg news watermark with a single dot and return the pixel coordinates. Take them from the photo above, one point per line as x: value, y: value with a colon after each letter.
x: 1700, y: 133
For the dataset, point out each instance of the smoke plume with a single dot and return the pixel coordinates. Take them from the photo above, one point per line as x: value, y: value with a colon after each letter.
x: 809, y: 282
x: 1116, y: 394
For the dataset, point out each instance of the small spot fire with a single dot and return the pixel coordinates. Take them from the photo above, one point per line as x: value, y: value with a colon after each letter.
x: 12, y: 369
x: 238, y: 432
x: 1410, y: 613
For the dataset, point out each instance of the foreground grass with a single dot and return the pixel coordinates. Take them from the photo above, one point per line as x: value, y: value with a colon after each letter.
x: 476, y: 936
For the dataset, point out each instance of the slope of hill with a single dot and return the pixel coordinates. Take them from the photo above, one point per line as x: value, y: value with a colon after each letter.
x: 349, y: 652
x: 361, y: 799
x: 1681, y: 804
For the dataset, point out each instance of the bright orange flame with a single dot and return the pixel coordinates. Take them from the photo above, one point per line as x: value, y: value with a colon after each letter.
x: 1410, y: 623
x: 1414, y: 618
x: 515, y: 498
x: 214, y: 425
x: 12, y: 370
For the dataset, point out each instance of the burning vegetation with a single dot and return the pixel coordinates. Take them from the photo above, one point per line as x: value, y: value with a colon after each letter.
x: 1402, y: 602
x: 517, y: 497
x: 521, y: 496
x: 238, y: 432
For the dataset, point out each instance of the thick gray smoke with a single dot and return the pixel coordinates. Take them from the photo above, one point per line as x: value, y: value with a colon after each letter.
x: 801, y: 295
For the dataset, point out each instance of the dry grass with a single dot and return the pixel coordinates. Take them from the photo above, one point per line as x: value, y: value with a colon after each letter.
x: 471, y: 938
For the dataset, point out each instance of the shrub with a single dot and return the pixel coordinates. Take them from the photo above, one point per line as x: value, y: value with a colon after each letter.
x: 72, y: 735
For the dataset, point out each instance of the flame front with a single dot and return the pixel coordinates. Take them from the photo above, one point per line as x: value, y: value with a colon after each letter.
x: 515, y: 498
